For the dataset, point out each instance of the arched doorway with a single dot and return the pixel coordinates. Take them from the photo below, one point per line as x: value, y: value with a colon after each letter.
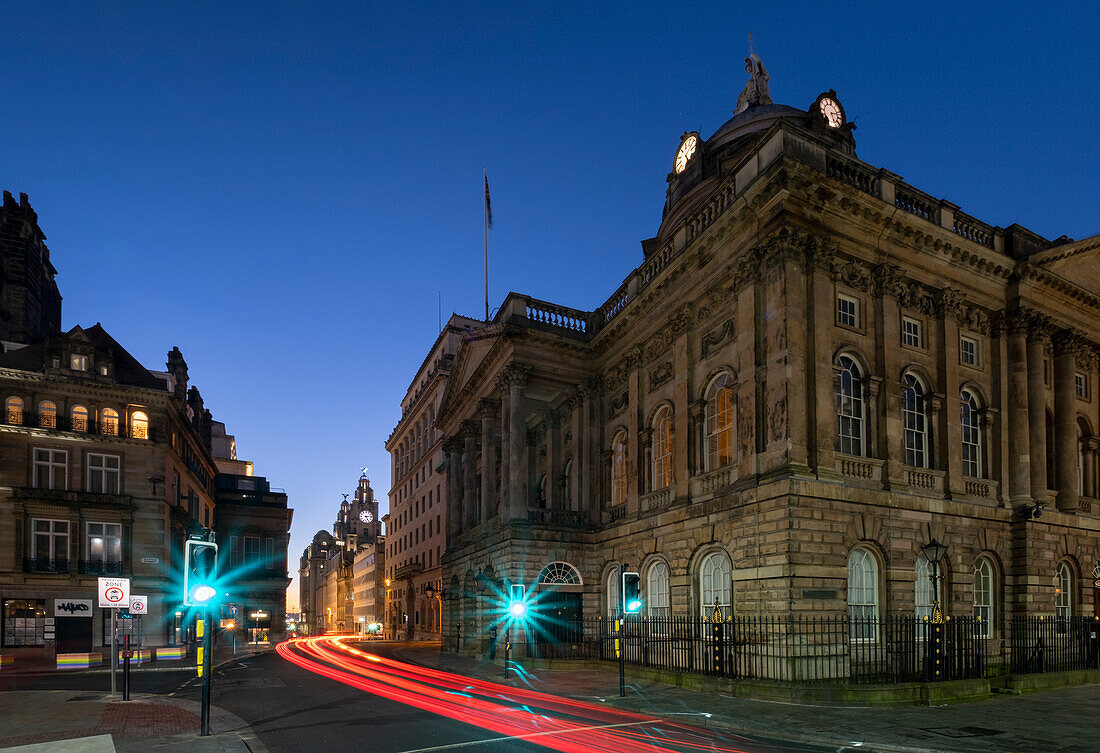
x: 557, y: 618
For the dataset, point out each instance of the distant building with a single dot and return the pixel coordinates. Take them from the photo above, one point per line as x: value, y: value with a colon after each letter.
x: 30, y: 304
x: 416, y: 527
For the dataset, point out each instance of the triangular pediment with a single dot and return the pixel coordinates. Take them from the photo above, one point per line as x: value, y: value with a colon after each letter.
x: 470, y: 355
x: 1077, y: 262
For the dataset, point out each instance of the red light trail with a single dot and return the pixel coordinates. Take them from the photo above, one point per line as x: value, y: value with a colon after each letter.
x: 553, y: 722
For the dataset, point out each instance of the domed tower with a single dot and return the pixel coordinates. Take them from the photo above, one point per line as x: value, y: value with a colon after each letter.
x: 363, y: 518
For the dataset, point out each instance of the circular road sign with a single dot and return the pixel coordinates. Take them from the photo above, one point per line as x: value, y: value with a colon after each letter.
x: 114, y: 594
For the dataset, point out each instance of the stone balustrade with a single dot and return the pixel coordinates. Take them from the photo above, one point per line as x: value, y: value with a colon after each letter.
x: 709, y: 483
x: 980, y: 487
x: 658, y: 499
x: 924, y: 480
x: 553, y: 315
x: 859, y: 468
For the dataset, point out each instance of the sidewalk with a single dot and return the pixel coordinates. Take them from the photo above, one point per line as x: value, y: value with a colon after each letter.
x: 1057, y: 721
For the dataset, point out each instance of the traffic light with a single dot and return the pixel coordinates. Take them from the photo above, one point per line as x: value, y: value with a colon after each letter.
x: 517, y: 607
x: 200, y: 572
x: 632, y: 594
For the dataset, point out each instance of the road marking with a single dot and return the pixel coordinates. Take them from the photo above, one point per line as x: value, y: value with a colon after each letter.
x: 529, y: 735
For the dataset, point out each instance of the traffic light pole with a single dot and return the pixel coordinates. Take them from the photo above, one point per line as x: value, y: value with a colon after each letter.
x: 207, y: 667
x: 619, y: 637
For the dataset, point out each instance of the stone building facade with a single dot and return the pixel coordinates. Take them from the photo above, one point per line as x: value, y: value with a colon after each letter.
x: 815, y: 370
x: 416, y: 523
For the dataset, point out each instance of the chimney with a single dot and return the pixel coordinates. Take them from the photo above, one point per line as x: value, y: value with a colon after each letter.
x: 177, y: 367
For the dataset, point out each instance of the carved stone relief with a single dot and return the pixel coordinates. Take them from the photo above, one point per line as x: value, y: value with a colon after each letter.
x: 660, y: 375
x: 716, y: 337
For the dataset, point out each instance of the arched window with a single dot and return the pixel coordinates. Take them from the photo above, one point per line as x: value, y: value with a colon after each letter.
x: 80, y: 418
x: 656, y: 593
x: 719, y: 398
x: 613, y: 588
x: 983, y: 597
x: 618, y: 469
x: 662, y: 448
x: 862, y: 594
x: 925, y: 596
x: 850, y: 434
x: 971, y: 436
x: 14, y: 407
x: 109, y: 422
x: 560, y: 573
x: 1063, y: 591
x: 1083, y: 488
x: 139, y: 425
x: 540, y: 492
x: 567, y: 485
x: 715, y: 585
x: 915, y: 421
x: 47, y: 414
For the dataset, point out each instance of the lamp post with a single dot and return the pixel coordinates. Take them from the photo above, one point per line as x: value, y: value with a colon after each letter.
x: 481, y: 582
x: 934, y: 552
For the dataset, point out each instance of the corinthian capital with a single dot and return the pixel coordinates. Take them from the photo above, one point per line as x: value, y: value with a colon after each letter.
x: 515, y: 375
x: 1069, y: 342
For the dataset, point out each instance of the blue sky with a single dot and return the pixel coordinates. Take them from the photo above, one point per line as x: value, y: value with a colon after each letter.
x: 283, y: 189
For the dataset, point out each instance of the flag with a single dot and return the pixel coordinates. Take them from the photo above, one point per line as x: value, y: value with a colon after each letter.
x: 488, y: 206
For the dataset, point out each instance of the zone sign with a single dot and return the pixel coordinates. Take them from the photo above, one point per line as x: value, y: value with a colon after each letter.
x: 114, y: 592
x: 139, y: 604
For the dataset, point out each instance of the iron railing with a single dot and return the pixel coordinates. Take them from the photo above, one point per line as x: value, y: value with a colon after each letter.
x: 42, y: 565
x: 1053, y: 643
x: 789, y: 649
x: 111, y: 427
x: 99, y: 567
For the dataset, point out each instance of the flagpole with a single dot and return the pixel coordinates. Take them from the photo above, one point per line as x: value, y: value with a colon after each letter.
x: 485, y: 175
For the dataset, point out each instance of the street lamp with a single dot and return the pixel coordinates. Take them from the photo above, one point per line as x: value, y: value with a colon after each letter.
x: 934, y: 552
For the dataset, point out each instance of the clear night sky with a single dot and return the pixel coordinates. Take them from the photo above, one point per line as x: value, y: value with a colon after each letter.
x: 282, y: 190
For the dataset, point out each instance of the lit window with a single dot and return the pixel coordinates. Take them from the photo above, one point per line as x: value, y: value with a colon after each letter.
x: 983, y: 598
x: 1081, y: 385
x: 662, y: 448
x: 862, y: 594
x: 104, y: 544
x: 78, y: 363
x: 912, y: 333
x: 847, y: 310
x: 715, y: 585
x: 915, y: 420
x: 80, y: 418
x: 971, y: 436
x: 50, y: 469
x: 109, y: 422
x: 14, y: 407
x: 103, y: 474
x: 968, y: 350
x: 720, y: 422
x: 47, y: 414
x: 849, y: 407
x: 139, y: 425
x: 618, y: 469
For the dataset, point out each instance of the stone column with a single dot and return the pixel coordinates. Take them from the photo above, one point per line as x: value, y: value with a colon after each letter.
x: 505, y: 445
x: 552, y: 425
x: 887, y: 284
x: 1036, y: 407
x: 469, y: 473
x: 1019, y: 431
x: 488, y: 409
x: 453, y: 447
x: 949, y: 434
x: 1088, y: 470
x: 698, y: 449
x: 517, y: 442
x: 821, y: 374
x: 590, y: 433
x: 1066, y: 346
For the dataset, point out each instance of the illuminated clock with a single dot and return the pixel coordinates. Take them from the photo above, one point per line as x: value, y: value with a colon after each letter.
x: 687, y: 149
x: 366, y: 516
x: 831, y: 111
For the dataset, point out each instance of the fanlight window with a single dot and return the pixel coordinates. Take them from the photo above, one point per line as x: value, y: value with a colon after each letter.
x: 720, y: 423
x: 109, y: 422
x: 47, y: 414
x: 560, y: 573
x: 139, y: 425
x: 14, y: 407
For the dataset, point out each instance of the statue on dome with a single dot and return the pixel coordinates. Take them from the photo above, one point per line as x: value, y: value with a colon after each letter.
x: 756, y: 90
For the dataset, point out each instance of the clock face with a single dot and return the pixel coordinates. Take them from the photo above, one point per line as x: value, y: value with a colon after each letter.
x: 687, y: 149
x: 830, y: 110
x: 366, y: 516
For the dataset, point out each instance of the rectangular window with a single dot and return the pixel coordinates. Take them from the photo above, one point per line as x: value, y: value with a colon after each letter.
x: 78, y: 363
x: 251, y: 549
x: 50, y: 544
x: 51, y: 469
x: 912, y: 333
x: 269, y: 560
x: 24, y: 622
x: 1081, y: 385
x: 234, y: 552
x: 104, y: 546
x: 103, y: 474
x: 968, y: 350
x: 847, y: 310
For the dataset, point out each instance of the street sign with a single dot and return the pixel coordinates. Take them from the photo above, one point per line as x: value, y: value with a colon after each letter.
x: 114, y: 592
x: 139, y: 604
